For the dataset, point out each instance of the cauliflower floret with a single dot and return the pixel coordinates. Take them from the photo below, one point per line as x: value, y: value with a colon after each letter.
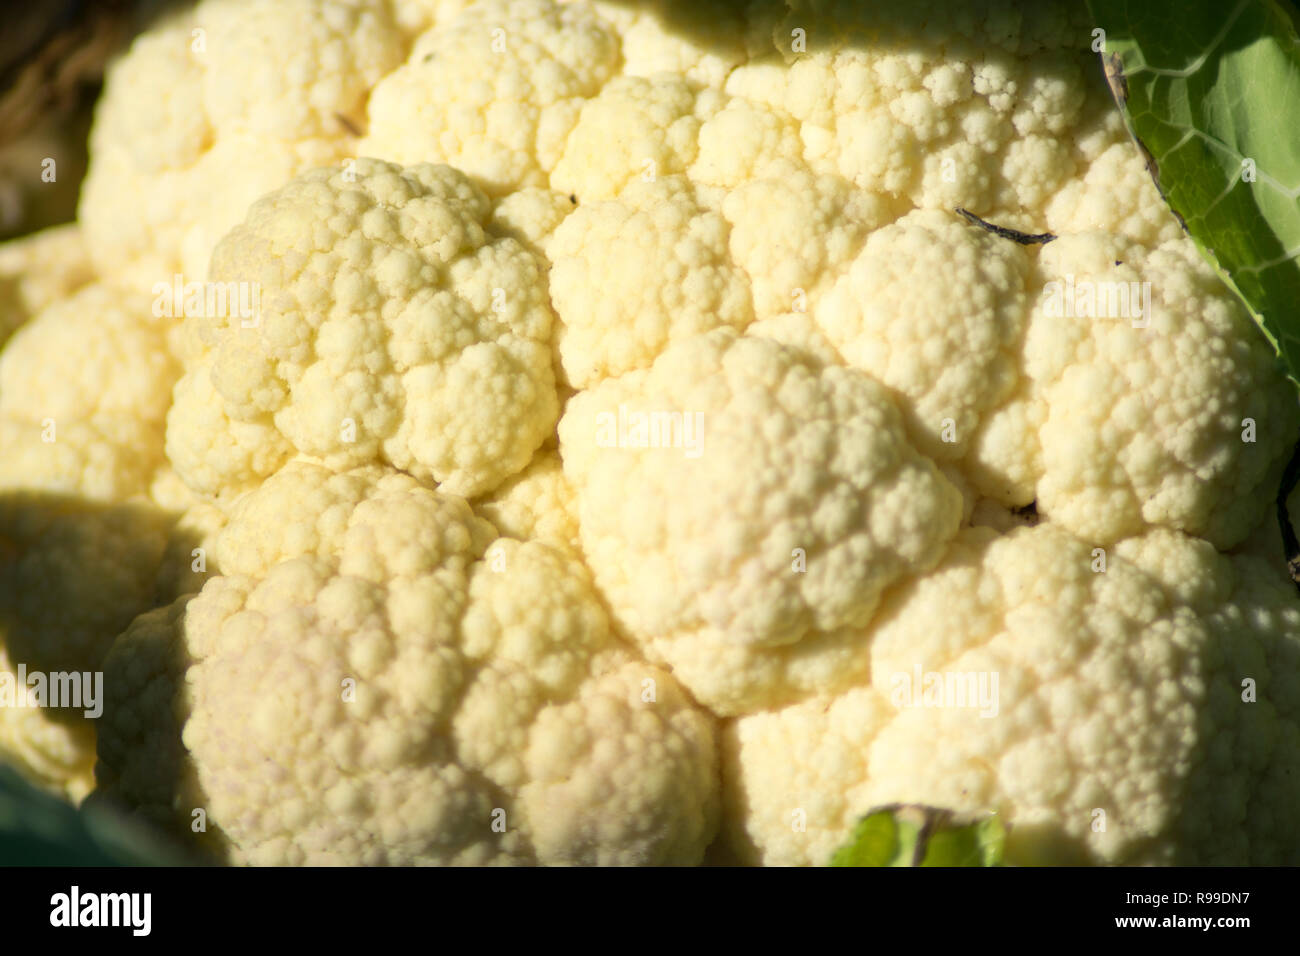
x: 1099, y: 711
x: 1124, y: 420
x: 664, y: 36
x: 52, y: 748
x: 381, y: 682
x: 392, y: 327
x: 531, y: 216
x: 38, y: 270
x: 950, y: 349
x: 1115, y: 194
x: 637, y: 129
x: 797, y: 330
x: 494, y: 91
x: 536, y: 504
x: 631, y: 275
x: 84, y: 388
x: 417, y: 16
x: 745, y: 141
x: 946, y: 106
x: 795, y: 233
x: 743, y: 507
x: 73, y: 573
x: 212, y: 109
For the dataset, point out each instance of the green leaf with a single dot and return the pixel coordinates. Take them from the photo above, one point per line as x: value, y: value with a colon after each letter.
x: 876, y: 842
x: 914, y: 835
x: 37, y: 829
x: 974, y: 844
x: 1208, y: 90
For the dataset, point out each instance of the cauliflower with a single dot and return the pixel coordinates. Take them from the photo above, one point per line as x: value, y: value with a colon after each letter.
x: 215, y: 106
x: 73, y: 575
x: 84, y: 389
x: 402, y: 333
x: 1136, y: 708
x: 743, y: 507
x: 39, y: 270
x: 537, y: 503
x: 613, y: 320
x: 595, y: 421
x: 436, y: 696
x: 953, y: 358
x: 503, y: 124
x: 1173, y: 416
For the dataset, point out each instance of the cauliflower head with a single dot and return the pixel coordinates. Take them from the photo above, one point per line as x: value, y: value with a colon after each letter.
x: 383, y: 680
x: 596, y: 421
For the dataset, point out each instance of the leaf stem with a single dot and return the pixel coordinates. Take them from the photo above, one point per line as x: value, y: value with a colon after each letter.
x: 1024, y: 238
x: 1290, y: 546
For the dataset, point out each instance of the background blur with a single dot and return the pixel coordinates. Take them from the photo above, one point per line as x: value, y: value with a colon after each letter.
x: 52, y: 57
